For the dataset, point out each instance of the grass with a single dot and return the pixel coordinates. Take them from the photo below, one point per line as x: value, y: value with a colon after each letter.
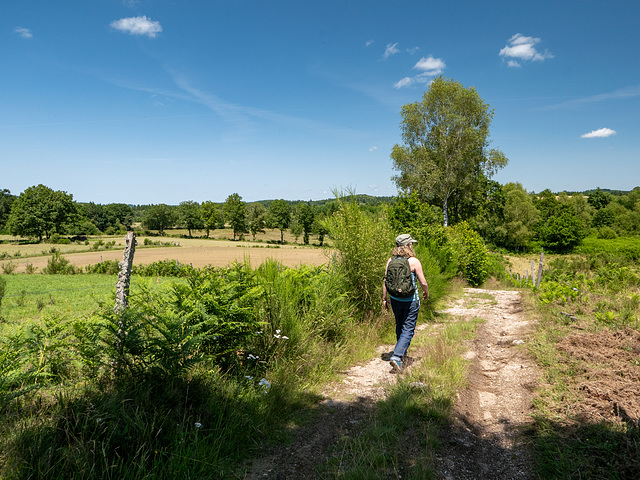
x: 587, y: 297
x: 29, y: 297
x: 82, y: 420
x: 400, y: 439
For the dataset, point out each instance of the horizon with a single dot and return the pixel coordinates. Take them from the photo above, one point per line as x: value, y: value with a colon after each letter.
x: 144, y: 102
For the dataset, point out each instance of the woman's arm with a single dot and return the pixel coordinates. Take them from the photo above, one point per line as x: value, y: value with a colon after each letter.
x: 416, y: 267
x: 384, y: 287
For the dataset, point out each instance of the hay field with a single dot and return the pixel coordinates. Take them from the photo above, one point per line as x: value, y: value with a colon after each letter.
x: 197, y: 252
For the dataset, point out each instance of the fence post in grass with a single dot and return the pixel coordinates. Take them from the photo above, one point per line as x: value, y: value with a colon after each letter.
x: 533, y: 274
x: 540, y: 266
x: 124, y: 275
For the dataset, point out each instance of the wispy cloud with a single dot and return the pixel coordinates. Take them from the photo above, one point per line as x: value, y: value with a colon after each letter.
x: 428, y: 66
x: 368, y: 43
x: 373, y: 148
x: 23, y: 32
x: 138, y: 26
x: 600, y: 133
x: 619, y: 94
x: 520, y: 48
x: 392, y: 49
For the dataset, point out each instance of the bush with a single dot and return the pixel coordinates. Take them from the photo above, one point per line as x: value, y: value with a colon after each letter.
x: 472, y: 258
x: 363, y: 245
x: 58, y: 265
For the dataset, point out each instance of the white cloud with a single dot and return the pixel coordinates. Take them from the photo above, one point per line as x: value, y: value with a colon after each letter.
x: 368, y: 43
x: 23, y: 32
x: 138, y: 26
x: 392, y: 49
x: 429, y: 66
x: 373, y: 149
x: 523, y: 49
x: 405, y: 82
x: 601, y: 133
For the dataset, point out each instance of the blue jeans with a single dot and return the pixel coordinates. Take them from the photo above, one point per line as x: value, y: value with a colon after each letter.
x: 406, y: 314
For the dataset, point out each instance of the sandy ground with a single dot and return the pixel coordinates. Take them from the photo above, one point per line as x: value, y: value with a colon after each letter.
x: 482, y: 443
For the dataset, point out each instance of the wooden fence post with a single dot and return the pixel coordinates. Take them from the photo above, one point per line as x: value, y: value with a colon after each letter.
x: 540, y: 266
x: 124, y: 275
x: 533, y: 269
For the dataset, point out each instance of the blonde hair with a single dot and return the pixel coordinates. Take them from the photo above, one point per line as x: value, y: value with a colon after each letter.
x: 404, y: 251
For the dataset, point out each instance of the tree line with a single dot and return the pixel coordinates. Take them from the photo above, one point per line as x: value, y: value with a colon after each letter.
x: 41, y: 213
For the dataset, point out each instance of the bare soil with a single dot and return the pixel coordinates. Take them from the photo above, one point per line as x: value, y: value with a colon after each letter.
x: 484, y: 440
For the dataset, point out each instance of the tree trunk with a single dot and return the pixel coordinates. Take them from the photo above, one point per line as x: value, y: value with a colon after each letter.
x: 445, y: 212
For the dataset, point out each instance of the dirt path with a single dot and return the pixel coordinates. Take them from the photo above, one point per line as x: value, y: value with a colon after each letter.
x: 485, y: 442
x: 482, y: 443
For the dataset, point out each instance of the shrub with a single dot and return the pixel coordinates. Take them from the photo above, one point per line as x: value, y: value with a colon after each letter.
x: 58, y: 265
x: 472, y: 258
x: 363, y: 244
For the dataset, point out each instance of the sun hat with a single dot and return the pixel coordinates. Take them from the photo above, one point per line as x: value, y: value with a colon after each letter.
x: 404, y: 239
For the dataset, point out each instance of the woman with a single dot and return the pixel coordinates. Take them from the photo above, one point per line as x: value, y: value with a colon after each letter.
x: 405, y: 309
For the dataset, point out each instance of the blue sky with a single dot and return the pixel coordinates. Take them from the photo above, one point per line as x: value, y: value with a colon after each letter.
x: 156, y: 101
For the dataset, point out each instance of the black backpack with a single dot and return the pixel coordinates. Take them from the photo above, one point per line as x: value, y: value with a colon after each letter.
x: 398, y: 279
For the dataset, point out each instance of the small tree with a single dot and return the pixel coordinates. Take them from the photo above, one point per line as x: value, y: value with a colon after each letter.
x: 279, y: 216
x: 520, y: 218
x: 236, y: 214
x: 158, y: 217
x: 40, y: 212
x: 256, y: 218
x: 307, y: 219
x: 211, y: 215
x: 190, y: 216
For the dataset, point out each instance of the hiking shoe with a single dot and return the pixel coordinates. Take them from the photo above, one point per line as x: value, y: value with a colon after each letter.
x: 396, y: 365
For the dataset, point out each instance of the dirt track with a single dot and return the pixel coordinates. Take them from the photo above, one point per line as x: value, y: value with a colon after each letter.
x: 483, y: 442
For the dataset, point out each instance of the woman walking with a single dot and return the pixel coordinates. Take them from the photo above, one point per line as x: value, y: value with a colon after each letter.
x: 405, y: 304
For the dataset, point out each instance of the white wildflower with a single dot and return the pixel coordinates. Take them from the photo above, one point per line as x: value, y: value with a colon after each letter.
x: 198, y: 424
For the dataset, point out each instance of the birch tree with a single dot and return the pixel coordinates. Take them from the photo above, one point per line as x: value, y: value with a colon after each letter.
x: 445, y: 149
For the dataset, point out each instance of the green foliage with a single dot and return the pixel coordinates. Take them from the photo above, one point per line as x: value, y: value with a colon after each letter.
x: 3, y: 289
x: 163, y: 268
x: 211, y: 216
x: 598, y: 199
x: 421, y: 220
x: 561, y: 233
x: 279, y: 216
x: 190, y: 216
x: 158, y: 217
x: 40, y: 211
x: 17, y: 378
x: 445, y: 152
x: 235, y: 212
x: 256, y: 218
x: 471, y: 254
x: 520, y: 218
x: 58, y: 265
x: 363, y: 245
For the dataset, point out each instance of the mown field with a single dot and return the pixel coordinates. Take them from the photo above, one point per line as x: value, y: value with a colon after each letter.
x: 217, y: 251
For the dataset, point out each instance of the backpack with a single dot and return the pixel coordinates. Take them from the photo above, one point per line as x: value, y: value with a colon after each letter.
x: 398, y: 279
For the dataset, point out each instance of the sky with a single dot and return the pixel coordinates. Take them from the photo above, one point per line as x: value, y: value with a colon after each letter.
x: 163, y: 101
